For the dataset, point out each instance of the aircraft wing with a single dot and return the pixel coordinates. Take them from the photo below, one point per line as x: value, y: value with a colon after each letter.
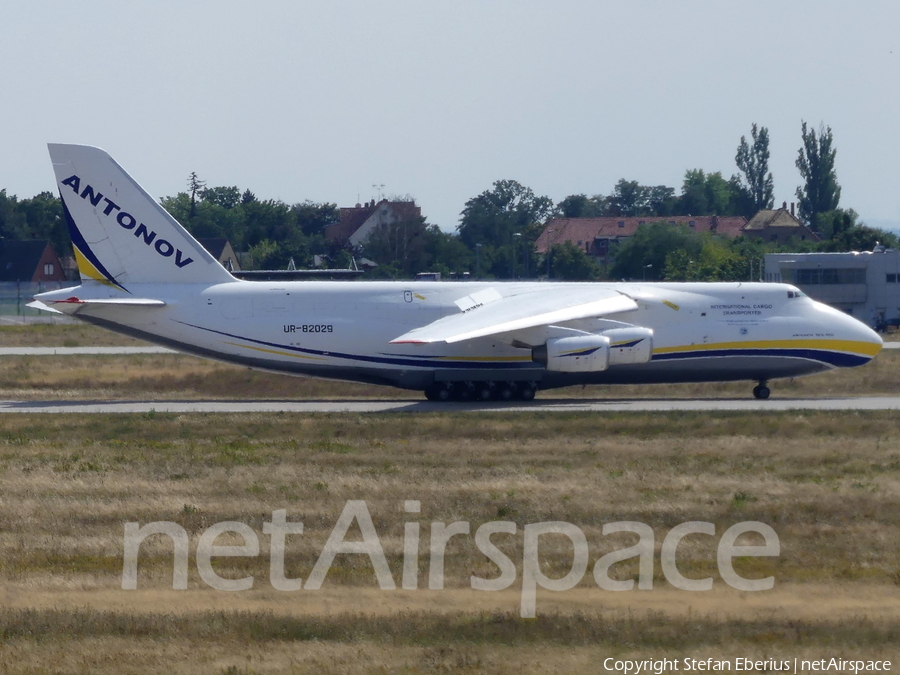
x: 487, y: 313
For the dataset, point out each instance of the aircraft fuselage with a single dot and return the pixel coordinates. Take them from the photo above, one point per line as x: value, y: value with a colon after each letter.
x: 343, y: 330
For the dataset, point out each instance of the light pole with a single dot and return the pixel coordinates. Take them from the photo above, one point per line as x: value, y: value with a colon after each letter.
x: 549, y: 249
x: 478, y: 261
x: 647, y: 267
x: 516, y: 237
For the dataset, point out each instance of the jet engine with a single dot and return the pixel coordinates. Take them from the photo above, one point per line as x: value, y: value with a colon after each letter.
x: 576, y: 354
x: 629, y: 345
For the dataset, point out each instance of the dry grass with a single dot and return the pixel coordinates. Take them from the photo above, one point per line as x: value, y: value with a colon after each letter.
x: 827, y: 483
x: 492, y: 642
x: 74, y: 334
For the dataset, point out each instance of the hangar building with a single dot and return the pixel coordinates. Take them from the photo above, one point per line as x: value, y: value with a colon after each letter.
x: 865, y: 284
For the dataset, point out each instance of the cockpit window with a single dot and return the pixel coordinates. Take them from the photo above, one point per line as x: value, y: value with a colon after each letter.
x: 796, y: 294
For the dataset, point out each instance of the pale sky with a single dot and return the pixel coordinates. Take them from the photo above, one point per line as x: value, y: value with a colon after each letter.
x: 323, y: 100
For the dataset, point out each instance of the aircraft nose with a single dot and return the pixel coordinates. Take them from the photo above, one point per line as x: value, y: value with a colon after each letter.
x: 864, y: 341
x: 870, y: 336
x: 854, y: 339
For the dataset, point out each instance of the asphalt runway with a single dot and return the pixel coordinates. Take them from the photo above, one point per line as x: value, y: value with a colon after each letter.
x: 82, y: 351
x: 420, y: 406
x: 123, y: 351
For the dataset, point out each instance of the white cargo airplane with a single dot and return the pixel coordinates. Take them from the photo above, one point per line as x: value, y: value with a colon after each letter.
x: 143, y: 275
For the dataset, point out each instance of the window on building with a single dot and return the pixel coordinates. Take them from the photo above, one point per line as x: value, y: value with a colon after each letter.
x: 48, y: 269
x: 621, y: 223
x: 825, y: 276
x: 892, y: 278
x: 692, y: 223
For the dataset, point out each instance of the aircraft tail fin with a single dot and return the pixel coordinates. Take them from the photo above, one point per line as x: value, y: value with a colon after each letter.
x: 120, y: 234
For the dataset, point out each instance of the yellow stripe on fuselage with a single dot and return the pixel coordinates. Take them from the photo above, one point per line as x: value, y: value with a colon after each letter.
x: 504, y: 359
x: 849, y: 346
x: 276, y: 352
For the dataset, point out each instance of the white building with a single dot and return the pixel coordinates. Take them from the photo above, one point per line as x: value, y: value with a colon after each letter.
x: 358, y: 222
x: 865, y: 285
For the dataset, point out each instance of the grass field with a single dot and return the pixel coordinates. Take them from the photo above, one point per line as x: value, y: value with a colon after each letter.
x: 829, y: 484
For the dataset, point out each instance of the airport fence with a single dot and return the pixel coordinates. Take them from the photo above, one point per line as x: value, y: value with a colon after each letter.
x: 15, y: 296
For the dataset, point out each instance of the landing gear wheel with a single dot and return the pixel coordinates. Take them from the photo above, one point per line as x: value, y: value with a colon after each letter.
x: 462, y: 391
x: 483, y: 391
x: 505, y: 392
x: 761, y: 391
x: 526, y: 392
x: 439, y: 391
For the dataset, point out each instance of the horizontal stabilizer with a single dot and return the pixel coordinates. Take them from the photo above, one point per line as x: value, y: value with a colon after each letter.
x: 116, y: 302
x: 74, y: 304
x: 548, y: 306
x: 37, y: 304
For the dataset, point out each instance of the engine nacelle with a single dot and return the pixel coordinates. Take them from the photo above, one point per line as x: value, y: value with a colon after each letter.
x: 629, y: 345
x: 576, y: 354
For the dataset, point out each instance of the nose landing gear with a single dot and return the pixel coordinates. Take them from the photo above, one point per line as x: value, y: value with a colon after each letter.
x: 761, y: 391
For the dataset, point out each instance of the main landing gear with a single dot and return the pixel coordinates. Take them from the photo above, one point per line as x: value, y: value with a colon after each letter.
x: 761, y: 391
x: 481, y: 391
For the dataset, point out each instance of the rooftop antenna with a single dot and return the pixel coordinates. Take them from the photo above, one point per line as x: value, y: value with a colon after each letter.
x: 379, y: 188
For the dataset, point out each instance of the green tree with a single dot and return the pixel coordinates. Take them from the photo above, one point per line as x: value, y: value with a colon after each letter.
x: 245, y: 221
x: 404, y: 243
x: 859, y: 237
x: 643, y: 256
x: 210, y: 219
x: 582, y: 206
x: 832, y: 224
x: 661, y: 200
x: 753, y: 161
x: 313, y: 218
x: 266, y: 255
x: 629, y: 198
x: 226, y: 197
x: 571, y: 263
x: 12, y: 223
x: 493, y: 218
x: 714, y: 261
x: 195, y: 189
x: 44, y: 216
x: 820, y: 192
x: 448, y: 253
x: 704, y: 194
x: 39, y: 217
